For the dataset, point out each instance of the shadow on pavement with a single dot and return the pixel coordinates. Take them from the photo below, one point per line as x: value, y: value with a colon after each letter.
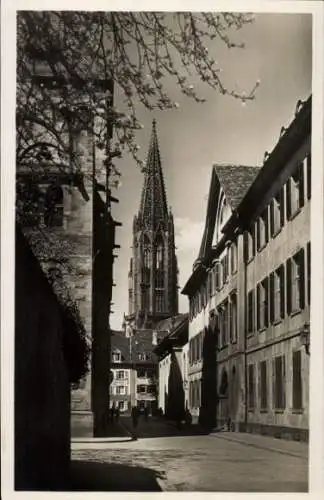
x: 94, y: 476
x: 159, y: 427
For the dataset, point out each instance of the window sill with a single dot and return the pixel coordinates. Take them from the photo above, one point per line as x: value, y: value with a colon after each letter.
x: 279, y: 411
x: 292, y: 216
x: 277, y: 321
x: 262, y: 247
x: 251, y: 410
x: 234, y: 272
x: 276, y: 232
x: 296, y: 411
x: 249, y: 335
x: 295, y: 312
x: 264, y: 410
x: 249, y: 260
x: 263, y: 329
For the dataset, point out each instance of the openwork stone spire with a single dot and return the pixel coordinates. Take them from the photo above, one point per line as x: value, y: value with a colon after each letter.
x: 153, y: 208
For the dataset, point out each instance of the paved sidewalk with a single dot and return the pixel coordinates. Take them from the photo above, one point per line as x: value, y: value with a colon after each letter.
x: 287, y: 447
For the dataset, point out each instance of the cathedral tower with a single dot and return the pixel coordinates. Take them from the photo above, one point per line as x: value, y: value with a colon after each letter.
x: 153, y: 290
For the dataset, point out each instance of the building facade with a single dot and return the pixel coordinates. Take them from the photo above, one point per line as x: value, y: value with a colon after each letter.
x: 65, y: 214
x: 173, y: 376
x: 250, y: 292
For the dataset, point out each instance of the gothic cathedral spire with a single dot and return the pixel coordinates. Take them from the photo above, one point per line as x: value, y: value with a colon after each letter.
x: 153, y: 290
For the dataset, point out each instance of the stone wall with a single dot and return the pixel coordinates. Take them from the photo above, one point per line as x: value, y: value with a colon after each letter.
x: 42, y: 391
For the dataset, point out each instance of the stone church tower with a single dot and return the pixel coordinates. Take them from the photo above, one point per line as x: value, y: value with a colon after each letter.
x: 153, y: 290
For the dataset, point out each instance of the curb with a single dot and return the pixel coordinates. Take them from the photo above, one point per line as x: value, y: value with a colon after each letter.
x: 101, y: 440
x: 129, y: 432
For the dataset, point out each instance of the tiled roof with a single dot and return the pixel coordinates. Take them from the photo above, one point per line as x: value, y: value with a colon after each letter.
x: 141, y: 343
x: 235, y: 181
x: 170, y: 323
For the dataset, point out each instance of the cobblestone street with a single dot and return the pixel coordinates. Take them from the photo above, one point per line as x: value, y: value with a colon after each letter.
x: 163, y: 459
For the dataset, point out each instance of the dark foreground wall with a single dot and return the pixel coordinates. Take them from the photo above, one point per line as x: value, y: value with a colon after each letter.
x: 42, y: 396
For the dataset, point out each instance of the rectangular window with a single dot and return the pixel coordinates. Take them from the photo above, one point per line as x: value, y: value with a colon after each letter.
x: 217, y: 277
x: 233, y: 319
x: 277, y: 294
x: 297, y: 381
x: 295, y: 191
x: 262, y: 229
x: 251, y: 387
x: 296, y: 282
x: 262, y: 304
x: 250, y: 319
x: 277, y: 213
x: 224, y: 263
x: 263, y: 381
x: 141, y: 372
x: 234, y: 257
x: 120, y: 375
x: 309, y: 175
x: 120, y: 390
x: 279, y: 383
x: 224, y: 324
x: 250, y: 242
x: 151, y: 389
x: 116, y: 357
x: 141, y: 389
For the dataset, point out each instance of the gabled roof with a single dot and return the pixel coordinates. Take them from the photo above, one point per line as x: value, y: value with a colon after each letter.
x: 170, y: 324
x: 235, y: 181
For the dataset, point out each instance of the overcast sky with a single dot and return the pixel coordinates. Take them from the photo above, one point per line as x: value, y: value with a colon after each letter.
x: 193, y: 137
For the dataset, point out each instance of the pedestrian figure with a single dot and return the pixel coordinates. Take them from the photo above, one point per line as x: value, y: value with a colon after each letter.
x: 146, y: 413
x: 188, y: 417
x: 117, y: 414
x: 134, y: 417
x: 112, y: 412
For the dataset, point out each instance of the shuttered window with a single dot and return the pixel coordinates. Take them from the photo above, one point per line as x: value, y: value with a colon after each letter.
x: 279, y: 383
x: 297, y: 381
x: 251, y: 387
x: 263, y: 385
x: 250, y: 315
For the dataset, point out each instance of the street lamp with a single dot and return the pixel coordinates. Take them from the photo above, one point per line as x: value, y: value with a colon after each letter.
x: 305, y: 337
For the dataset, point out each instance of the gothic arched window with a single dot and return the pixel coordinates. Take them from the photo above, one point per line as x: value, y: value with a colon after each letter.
x: 159, y: 262
x: 147, y: 260
x: 53, y: 214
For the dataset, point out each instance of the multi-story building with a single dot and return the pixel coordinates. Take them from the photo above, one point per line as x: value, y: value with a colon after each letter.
x: 250, y: 292
x: 134, y: 368
x: 173, y: 376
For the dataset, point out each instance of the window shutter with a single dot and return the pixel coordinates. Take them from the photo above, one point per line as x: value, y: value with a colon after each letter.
x: 308, y: 273
x: 309, y: 176
x: 258, y: 307
x: 282, y: 206
x: 257, y: 226
x: 283, y: 361
x: 301, y: 184
x: 274, y: 392
x: 289, y: 286
x: 272, y: 209
x: 288, y: 198
x: 266, y: 303
x: 272, y: 298
x: 266, y: 224
x: 301, y: 259
x: 282, y: 291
